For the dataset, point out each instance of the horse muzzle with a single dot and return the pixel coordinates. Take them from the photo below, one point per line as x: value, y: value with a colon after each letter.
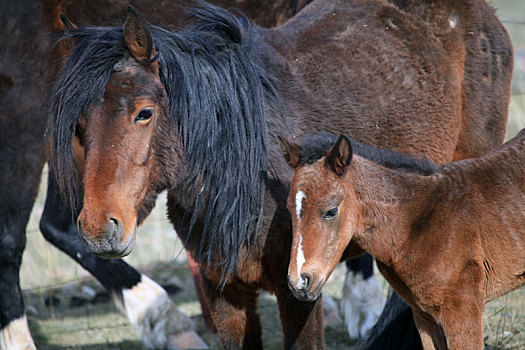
x: 111, y: 242
x: 304, y: 288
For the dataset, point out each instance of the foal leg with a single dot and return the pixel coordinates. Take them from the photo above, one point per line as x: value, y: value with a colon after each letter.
x: 147, y: 305
x: 462, y: 323
x: 432, y: 336
x: 234, y: 312
x: 302, y: 322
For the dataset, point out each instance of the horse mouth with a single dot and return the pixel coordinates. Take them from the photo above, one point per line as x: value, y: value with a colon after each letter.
x: 111, y: 249
x: 125, y: 251
x: 306, y: 295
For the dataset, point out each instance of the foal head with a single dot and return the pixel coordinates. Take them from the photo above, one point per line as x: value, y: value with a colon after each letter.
x: 323, y: 216
x: 121, y: 133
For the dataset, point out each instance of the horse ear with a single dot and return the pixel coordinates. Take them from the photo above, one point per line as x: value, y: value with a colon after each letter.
x: 339, y: 157
x: 291, y: 152
x: 137, y: 36
x: 68, y: 28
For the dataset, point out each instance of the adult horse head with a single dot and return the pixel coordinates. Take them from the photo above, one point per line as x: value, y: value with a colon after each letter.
x: 120, y: 133
x: 146, y: 102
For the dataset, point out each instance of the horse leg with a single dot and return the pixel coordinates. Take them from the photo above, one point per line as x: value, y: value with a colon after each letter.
x: 363, y: 298
x: 462, y: 323
x: 432, y: 336
x: 302, y: 322
x: 13, y: 321
x: 22, y: 157
x: 21, y: 161
x: 146, y: 304
x: 234, y: 312
x: 197, y: 280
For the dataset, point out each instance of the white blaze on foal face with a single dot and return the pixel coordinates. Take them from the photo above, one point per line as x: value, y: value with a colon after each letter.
x: 299, y: 197
x: 299, y: 203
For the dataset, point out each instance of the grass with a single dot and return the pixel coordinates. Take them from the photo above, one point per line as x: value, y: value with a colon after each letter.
x: 47, y: 272
x: 100, y: 326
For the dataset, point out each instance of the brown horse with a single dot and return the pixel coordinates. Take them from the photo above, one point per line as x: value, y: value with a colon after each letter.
x: 448, y: 243
x: 196, y: 111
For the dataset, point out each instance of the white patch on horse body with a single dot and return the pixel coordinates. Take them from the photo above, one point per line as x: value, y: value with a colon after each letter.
x: 299, y: 203
x: 16, y: 336
x: 362, y: 303
x: 300, y: 262
x: 155, y: 316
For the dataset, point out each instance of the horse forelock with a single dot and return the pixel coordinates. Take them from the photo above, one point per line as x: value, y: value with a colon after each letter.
x: 216, y: 99
x: 81, y: 82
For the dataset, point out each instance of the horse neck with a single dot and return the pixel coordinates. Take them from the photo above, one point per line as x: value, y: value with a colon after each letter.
x: 389, y: 202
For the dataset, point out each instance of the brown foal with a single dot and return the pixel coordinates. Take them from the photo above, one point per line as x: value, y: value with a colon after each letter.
x: 447, y: 243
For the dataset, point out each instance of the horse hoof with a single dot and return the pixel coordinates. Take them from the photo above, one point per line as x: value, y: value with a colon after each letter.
x: 156, y: 318
x: 187, y: 340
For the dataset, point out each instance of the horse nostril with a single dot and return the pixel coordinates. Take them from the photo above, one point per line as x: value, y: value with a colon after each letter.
x: 114, y: 228
x: 307, y: 278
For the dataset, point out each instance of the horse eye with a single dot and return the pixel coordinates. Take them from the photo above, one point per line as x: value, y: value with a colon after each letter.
x: 330, y: 214
x: 144, y: 115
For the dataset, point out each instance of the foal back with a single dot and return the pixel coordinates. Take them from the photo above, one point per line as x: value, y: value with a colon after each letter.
x: 493, y: 190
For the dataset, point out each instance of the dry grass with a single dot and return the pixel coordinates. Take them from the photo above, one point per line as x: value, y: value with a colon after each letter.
x: 102, y: 327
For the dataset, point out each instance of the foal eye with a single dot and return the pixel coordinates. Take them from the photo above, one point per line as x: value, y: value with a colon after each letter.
x: 144, y: 115
x: 330, y: 214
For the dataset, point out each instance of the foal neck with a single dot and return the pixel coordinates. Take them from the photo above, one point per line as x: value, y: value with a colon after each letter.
x: 389, y: 202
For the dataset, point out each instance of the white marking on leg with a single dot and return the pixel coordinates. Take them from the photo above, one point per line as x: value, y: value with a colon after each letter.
x: 159, y: 322
x: 16, y: 336
x: 362, y: 303
x: 331, y: 312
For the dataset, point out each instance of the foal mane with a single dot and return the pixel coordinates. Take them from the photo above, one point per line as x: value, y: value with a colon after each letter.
x: 315, y: 146
x: 217, y: 97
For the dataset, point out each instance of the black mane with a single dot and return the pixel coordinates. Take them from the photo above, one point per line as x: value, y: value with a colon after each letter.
x: 217, y: 100
x: 315, y: 146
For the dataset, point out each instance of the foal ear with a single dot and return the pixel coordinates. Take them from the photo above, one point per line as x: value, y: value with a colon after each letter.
x: 291, y: 152
x: 137, y: 36
x: 339, y: 157
x: 68, y: 28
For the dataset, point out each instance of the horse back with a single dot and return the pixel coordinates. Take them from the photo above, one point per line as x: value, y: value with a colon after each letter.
x: 485, y: 210
x: 433, y: 80
x: 486, y: 67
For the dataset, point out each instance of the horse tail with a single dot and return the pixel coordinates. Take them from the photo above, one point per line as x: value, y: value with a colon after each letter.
x: 395, y: 328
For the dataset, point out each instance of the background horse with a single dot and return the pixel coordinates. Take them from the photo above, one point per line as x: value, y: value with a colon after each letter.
x: 448, y: 243
x: 27, y: 69
x: 196, y: 112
